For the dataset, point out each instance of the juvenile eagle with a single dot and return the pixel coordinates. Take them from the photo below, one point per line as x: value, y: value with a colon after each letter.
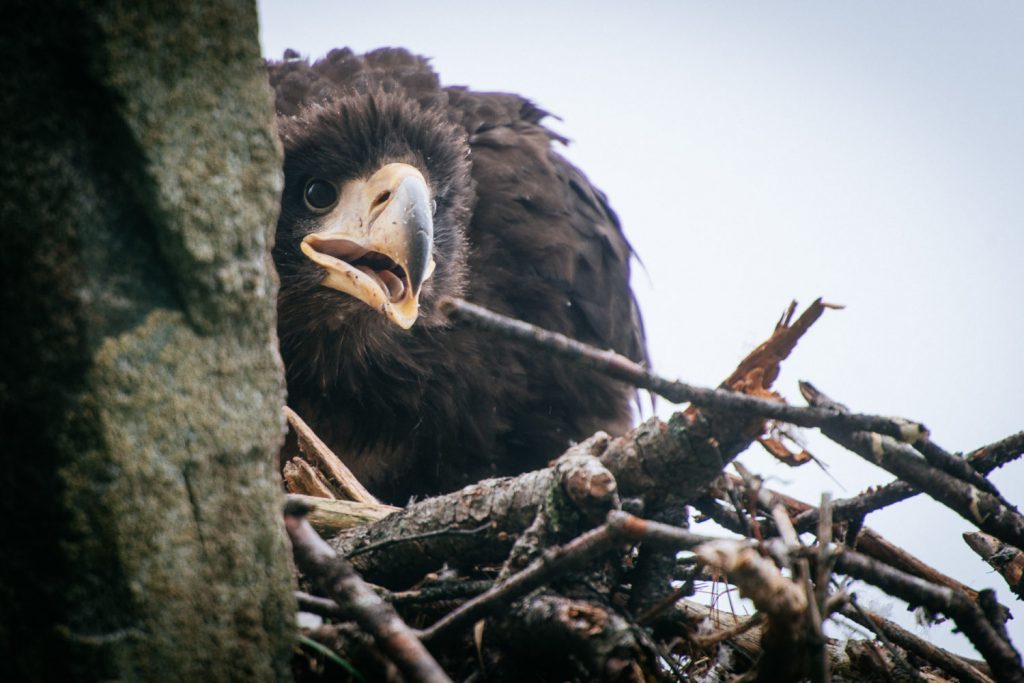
x: 399, y: 191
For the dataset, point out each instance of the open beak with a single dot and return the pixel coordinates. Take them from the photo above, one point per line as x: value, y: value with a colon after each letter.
x: 377, y: 241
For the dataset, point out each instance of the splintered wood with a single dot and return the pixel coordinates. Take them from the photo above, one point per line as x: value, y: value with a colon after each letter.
x: 757, y: 372
x: 331, y: 475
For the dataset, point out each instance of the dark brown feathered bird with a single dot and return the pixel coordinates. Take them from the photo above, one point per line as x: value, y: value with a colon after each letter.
x: 398, y: 191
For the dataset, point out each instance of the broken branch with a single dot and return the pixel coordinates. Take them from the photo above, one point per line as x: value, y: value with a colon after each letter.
x: 335, y: 576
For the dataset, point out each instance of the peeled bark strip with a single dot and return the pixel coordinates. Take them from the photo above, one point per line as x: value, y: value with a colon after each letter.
x: 141, y: 390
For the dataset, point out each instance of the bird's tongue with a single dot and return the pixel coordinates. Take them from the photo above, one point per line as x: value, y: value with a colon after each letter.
x: 374, y: 264
x: 388, y: 281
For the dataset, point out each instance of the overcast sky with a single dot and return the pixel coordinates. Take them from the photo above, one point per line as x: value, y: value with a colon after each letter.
x: 868, y: 153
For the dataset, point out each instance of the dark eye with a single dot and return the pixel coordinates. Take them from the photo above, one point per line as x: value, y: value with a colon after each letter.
x: 320, y: 194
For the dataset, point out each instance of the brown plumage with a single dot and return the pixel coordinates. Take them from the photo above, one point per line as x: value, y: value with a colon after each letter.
x: 515, y: 228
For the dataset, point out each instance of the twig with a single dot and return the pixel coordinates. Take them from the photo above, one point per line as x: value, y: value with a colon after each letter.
x: 858, y: 506
x: 707, y: 640
x: 824, y: 560
x: 853, y: 608
x: 995, y: 455
x: 749, y: 522
x: 890, y: 633
x: 817, y: 597
x: 958, y: 467
x: 626, y: 370
x: 999, y: 653
x: 984, y: 459
x: 554, y: 561
x: 873, y: 544
x: 416, y: 538
x: 335, y: 576
x: 621, y: 527
x: 664, y: 653
x: 746, y: 643
x: 324, y: 607
x: 978, y: 507
x: 773, y: 502
x: 443, y: 591
x: 665, y: 603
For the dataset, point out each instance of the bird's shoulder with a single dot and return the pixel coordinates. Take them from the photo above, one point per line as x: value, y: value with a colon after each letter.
x: 538, y: 215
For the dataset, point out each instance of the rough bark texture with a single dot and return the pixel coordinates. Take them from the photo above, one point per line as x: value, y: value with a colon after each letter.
x: 141, y: 389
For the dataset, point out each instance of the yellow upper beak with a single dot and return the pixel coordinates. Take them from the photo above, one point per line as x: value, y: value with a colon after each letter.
x: 377, y: 242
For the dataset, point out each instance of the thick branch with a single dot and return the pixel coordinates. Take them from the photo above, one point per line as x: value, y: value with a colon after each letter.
x: 477, y: 524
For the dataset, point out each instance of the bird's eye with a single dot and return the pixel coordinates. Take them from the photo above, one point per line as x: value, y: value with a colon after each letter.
x: 320, y: 194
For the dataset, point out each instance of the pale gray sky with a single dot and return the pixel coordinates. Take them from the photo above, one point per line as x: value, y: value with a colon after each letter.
x: 869, y: 153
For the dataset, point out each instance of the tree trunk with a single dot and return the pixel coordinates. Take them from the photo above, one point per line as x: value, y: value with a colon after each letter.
x: 140, y: 389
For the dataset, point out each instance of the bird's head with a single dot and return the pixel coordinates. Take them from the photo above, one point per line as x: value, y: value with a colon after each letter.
x: 374, y: 238
x: 376, y: 198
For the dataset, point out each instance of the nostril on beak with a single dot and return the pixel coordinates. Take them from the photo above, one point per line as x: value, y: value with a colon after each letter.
x: 381, y: 199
